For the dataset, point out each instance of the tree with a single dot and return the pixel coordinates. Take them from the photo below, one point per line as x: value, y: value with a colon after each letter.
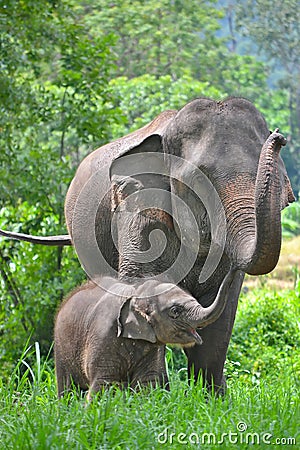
x: 142, y: 98
x: 275, y: 28
x: 55, y: 107
x: 158, y: 37
x: 174, y: 39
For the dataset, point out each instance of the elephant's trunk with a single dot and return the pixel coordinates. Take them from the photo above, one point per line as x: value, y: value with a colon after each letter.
x: 254, y: 236
x: 205, y: 316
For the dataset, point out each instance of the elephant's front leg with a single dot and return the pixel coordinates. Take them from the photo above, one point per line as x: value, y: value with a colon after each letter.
x: 151, y: 370
x: 208, y: 359
x: 100, y: 384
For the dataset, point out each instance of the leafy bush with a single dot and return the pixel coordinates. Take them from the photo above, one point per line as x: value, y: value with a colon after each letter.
x: 34, y: 279
x: 266, y: 335
x: 143, y: 98
x: 290, y: 220
x: 265, y: 339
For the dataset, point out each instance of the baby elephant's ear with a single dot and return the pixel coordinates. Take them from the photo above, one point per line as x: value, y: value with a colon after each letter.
x: 134, y: 320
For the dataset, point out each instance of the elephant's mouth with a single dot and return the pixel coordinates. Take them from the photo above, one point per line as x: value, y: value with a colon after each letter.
x: 194, y: 338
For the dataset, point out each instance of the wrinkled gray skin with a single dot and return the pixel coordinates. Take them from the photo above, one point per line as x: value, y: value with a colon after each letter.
x: 230, y: 142
x: 103, y: 338
x: 133, y: 232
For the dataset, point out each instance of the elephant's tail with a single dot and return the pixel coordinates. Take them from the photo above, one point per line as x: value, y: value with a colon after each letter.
x: 59, y: 241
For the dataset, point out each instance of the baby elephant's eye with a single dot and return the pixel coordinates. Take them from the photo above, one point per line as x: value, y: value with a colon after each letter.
x: 175, y: 311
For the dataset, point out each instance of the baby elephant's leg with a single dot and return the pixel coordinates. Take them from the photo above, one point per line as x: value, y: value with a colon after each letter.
x: 151, y: 371
x: 62, y: 376
x: 99, y: 385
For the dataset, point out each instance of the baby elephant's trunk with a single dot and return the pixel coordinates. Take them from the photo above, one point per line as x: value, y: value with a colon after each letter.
x: 205, y: 316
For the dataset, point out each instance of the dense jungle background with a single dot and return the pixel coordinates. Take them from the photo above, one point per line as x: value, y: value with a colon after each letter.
x: 77, y: 74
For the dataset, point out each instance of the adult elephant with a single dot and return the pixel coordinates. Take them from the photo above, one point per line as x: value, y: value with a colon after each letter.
x: 229, y: 142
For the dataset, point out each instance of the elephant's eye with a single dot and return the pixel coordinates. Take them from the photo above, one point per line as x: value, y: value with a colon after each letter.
x: 175, y: 311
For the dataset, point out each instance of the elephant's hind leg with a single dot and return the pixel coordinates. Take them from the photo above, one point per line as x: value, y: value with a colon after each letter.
x: 63, y: 380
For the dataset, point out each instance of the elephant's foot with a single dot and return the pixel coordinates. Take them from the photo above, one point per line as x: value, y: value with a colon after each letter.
x: 160, y: 380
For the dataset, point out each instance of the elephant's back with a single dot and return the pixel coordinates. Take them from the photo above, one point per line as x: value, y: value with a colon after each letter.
x: 105, y: 154
x: 91, y: 186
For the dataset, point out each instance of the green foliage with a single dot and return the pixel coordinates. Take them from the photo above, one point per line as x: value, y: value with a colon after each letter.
x: 56, y: 105
x: 266, y: 337
x: 34, y: 280
x: 274, y: 27
x: 143, y: 98
x: 178, y: 40
x: 290, y: 219
x: 159, y: 37
x: 240, y: 75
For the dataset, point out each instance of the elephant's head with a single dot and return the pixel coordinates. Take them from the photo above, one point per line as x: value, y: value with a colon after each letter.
x: 229, y: 144
x: 169, y: 315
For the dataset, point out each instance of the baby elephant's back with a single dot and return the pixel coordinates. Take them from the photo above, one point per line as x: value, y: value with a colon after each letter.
x: 87, y: 314
x: 76, y: 314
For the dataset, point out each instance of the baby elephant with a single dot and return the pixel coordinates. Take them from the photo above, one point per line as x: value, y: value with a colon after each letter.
x: 104, y: 338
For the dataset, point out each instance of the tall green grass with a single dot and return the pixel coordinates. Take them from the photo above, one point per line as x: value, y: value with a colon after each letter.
x: 32, y: 417
x: 258, y: 411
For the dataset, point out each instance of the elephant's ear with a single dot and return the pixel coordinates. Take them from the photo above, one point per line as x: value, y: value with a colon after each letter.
x: 134, y: 320
x: 102, y: 158
x: 140, y: 169
x: 146, y: 156
x: 144, y: 146
x: 139, y: 140
x: 145, y: 140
